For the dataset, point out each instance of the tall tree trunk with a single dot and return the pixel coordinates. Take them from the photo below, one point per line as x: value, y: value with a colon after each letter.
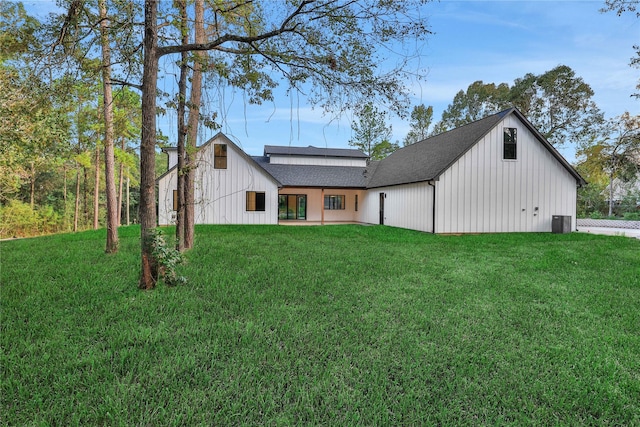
x: 192, y: 128
x: 127, y: 210
x: 109, y: 155
x: 64, y: 194
x: 85, y: 196
x: 76, y: 210
x: 120, y: 186
x: 96, y: 191
x: 149, y: 266
x: 182, y: 94
x: 611, y: 193
x: 32, y: 189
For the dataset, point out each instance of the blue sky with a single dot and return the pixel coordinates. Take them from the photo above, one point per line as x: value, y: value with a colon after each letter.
x: 492, y: 41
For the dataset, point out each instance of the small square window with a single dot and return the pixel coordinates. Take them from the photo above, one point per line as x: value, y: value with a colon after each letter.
x: 510, y: 144
x: 255, y: 201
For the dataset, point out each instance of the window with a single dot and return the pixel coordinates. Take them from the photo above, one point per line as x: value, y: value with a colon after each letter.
x: 333, y: 202
x: 219, y: 156
x: 175, y: 200
x: 510, y: 148
x: 255, y: 201
x: 292, y: 206
x: 356, y: 203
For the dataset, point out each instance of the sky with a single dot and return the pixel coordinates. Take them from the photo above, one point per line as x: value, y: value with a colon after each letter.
x: 492, y: 41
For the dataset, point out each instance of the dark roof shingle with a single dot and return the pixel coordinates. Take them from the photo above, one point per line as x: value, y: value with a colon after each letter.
x: 427, y: 159
x: 315, y: 176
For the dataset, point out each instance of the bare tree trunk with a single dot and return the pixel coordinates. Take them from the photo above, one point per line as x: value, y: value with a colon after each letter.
x: 33, y: 186
x: 64, y: 197
x: 127, y: 210
x: 109, y: 155
x: 149, y: 266
x: 96, y: 191
x: 76, y: 211
x: 182, y: 94
x: 192, y: 128
x: 610, y: 193
x: 120, y: 185
x: 85, y: 197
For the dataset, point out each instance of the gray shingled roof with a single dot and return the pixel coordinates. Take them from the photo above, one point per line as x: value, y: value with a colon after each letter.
x: 313, y: 151
x: 427, y: 159
x: 315, y: 176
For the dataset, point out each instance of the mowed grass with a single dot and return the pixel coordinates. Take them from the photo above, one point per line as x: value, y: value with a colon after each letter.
x: 334, y: 325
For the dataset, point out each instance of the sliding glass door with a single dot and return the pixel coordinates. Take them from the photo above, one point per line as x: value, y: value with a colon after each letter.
x: 292, y: 206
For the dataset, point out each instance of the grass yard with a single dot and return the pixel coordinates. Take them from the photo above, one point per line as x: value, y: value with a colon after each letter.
x: 335, y: 325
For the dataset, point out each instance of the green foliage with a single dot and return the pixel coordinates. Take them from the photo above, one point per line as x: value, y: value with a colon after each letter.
x: 167, y: 257
x: 479, y: 101
x: 17, y: 219
x: 18, y: 31
x: 558, y: 103
x: 334, y: 325
x: 421, y: 118
x: 371, y: 134
x: 591, y: 201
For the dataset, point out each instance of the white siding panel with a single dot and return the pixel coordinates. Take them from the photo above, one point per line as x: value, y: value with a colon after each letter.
x: 316, y: 160
x: 406, y: 206
x: 220, y: 194
x: 166, y: 214
x: 482, y: 193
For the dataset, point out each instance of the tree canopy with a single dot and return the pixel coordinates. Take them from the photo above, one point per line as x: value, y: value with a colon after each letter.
x: 558, y: 103
x: 371, y: 134
x: 421, y: 118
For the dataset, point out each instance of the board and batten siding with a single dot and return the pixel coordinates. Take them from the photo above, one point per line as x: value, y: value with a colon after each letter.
x: 317, y: 161
x: 405, y: 206
x: 220, y: 194
x: 482, y: 193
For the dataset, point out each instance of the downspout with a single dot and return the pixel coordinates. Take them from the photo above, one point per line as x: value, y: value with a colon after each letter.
x: 433, y: 208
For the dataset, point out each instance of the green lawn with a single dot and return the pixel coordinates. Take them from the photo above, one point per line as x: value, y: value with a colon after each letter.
x: 335, y: 325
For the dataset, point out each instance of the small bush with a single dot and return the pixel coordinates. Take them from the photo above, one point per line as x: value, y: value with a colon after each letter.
x: 168, y: 258
x: 631, y: 216
x: 17, y: 219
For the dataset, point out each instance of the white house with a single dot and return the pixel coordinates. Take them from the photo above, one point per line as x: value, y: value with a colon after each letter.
x: 230, y: 188
x: 497, y: 174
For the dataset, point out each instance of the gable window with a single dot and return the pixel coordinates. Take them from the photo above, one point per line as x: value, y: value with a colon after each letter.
x: 219, y: 156
x: 292, y: 206
x: 510, y: 145
x: 334, y: 202
x: 255, y: 201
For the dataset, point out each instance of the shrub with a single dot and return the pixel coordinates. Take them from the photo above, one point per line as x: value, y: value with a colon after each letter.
x: 631, y: 216
x: 17, y: 219
x: 168, y: 258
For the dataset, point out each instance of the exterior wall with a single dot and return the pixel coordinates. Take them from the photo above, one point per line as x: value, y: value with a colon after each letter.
x: 482, y: 193
x: 406, y: 206
x: 220, y: 194
x: 172, y: 157
x: 315, y: 204
x: 316, y: 160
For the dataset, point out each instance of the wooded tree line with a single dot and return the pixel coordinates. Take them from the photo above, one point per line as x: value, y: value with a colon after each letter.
x: 80, y: 96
